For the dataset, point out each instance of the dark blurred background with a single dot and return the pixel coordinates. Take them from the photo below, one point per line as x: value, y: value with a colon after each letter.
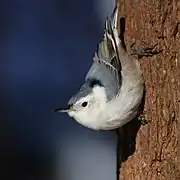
x: 46, y: 49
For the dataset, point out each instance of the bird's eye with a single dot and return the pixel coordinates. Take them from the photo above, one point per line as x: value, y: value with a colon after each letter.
x: 84, y: 104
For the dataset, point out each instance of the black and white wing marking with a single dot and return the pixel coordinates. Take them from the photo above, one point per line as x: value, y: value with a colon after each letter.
x: 108, y: 48
x: 104, y: 74
x: 107, y: 66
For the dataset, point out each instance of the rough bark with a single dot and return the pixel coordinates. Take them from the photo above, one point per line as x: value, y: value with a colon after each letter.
x: 157, y: 148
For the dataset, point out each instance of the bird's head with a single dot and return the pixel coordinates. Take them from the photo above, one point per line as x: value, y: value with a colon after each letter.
x: 86, y: 105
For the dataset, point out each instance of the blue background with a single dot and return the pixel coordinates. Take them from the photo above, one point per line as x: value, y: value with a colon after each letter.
x: 47, y: 48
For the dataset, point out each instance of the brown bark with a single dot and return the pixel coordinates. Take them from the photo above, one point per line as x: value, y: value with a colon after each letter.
x: 157, y: 148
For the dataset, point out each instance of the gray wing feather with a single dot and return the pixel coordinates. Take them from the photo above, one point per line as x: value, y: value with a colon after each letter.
x: 111, y: 62
x: 107, y: 75
x: 107, y: 65
x: 107, y: 48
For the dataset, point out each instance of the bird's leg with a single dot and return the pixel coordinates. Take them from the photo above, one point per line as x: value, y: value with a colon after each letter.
x: 147, y: 51
x: 142, y: 119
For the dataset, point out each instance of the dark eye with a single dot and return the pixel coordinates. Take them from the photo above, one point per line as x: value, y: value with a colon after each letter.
x: 84, y: 104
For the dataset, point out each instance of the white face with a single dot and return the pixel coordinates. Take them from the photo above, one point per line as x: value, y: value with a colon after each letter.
x: 87, y: 110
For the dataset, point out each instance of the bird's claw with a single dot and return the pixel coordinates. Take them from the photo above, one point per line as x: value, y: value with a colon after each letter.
x: 143, y: 120
x: 147, y: 51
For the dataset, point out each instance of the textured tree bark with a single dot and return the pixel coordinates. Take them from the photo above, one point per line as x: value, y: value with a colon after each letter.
x: 157, y: 148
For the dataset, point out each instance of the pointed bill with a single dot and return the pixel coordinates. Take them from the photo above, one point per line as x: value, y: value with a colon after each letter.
x: 62, y: 110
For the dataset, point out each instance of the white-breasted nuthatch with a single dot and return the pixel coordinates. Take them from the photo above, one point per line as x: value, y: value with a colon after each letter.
x: 114, y: 85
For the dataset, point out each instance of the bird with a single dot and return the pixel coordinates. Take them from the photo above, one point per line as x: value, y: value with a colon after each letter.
x: 113, y: 88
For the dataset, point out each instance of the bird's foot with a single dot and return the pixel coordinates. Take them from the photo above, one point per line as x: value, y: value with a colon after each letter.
x: 147, y: 51
x: 143, y: 120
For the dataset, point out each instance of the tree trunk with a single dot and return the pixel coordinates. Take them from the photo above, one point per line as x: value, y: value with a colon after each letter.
x: 157, y: 148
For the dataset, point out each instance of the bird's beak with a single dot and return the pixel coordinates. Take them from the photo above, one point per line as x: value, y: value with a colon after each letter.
x: 62, y: 110
x: 65, y: 110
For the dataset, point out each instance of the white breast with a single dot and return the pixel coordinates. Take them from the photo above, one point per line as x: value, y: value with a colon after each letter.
x: 116, y: 113
x: 124, y: 107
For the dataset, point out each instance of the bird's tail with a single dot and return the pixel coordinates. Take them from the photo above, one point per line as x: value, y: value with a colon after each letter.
x: 108, y: 48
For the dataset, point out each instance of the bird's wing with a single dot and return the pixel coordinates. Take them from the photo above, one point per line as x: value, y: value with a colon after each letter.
x: 104, y: 74
x: 108, y: 48
x: 106, y: 66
